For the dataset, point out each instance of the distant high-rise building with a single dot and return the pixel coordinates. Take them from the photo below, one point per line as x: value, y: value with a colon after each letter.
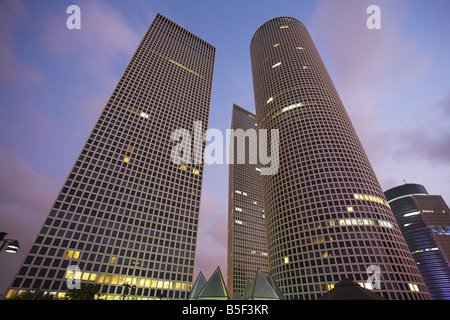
x: 126, y: 213
x: 247, y: 243
x: 326, y: 215
x: 425, y: 223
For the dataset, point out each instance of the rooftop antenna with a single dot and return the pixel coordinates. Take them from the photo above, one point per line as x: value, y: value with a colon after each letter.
x: 404, y: 181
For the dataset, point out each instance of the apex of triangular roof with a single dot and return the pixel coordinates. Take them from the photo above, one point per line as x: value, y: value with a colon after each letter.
x: 347, y: 289
x: 215, y: 288
x: 237, y: 296
x: 198, y: 286
x: 247, y: 289
x: 261, y: 289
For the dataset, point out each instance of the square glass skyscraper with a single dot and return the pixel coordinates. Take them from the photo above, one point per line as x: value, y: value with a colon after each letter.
x: 127, y: 214
x: 247, y: 239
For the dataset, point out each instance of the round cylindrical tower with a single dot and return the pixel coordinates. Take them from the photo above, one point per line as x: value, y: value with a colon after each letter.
x: 326, y: 215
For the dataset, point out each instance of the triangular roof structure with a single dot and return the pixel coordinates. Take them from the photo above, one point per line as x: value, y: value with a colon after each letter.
x: 215, y: 288
x: 261, y: 289
x: 198, y: 286
x: 237, y: 296
x: 247, y: 289
x: 347, y: 289
x: 277, y: 290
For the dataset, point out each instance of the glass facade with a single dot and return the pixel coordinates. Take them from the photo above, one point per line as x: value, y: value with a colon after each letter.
x: 126, y: 213
x: 326, y: 215
x: 425, y: 223
x: 247, y: 242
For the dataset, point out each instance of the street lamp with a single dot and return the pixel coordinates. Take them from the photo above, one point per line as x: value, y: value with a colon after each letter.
x: 12, y: 246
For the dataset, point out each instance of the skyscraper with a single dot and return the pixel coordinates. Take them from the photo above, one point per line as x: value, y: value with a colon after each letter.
x: 425, y: 223
x: 326, y: 215
x: 247, y: 242
x: 127, y: 214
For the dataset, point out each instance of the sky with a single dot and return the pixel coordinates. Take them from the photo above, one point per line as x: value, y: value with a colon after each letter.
x: 54, y: 82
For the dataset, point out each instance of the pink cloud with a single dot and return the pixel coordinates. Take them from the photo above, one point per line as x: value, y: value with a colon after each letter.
x: 421, y: 141
x: 91, y: 54
x: 25, y: 198
x: 12, y: 70
x: 381, y: 76
x: 104, y: 37
x: 368, y: 66
x: 212, y: 236
x: 21, y: 184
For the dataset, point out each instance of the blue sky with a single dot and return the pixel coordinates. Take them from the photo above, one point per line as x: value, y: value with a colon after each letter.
x: 54, y: 82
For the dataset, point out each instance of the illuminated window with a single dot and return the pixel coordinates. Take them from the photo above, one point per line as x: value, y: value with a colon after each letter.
x: 317, y: 239
x: 85, y: 276
x: 366, y: 285
x: 370, y: 198
x: 276, y: 45
x: 292, y: 106
x: 269, y: 100
x: 70, y: 274
x: 258, y: 169
x: 144, y: 115
x: 411, y: 214
x: 350, y: 209
x: 113, y: 260
x: 330, y: 286
x: 238, y: 209
x: 385, y: 224
x: 305, y: 67
x: 72, y: 254
x: 276, y: 65
x: 299, y: 48
x: 184, y: 67
x: 286, y: 260
x: 195, y: 171
x: 413, y: 287
x: 238, y: 221
x: 182, y: 167
x: 126, y: 159
x: 284, y: 27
